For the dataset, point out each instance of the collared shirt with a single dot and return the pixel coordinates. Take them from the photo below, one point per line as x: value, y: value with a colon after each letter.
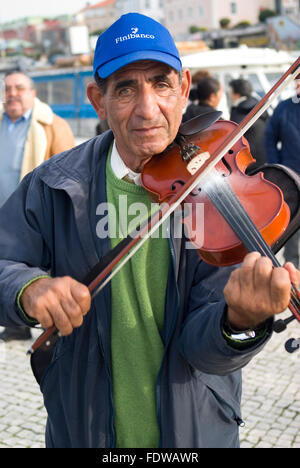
x: 12, y: 141
x: 120, y: 169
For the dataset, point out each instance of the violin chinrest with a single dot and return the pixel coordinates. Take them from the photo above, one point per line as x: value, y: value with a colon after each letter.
x: 199, y: 123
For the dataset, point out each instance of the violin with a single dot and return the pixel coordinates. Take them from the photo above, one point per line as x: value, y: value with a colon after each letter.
x: 206, y: 164
x: 242, y: 213
x: 226, y: 195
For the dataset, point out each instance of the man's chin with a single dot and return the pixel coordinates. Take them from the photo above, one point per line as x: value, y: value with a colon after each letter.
x: 145, y: 156
x: 150, y: 148
x: 13, y: 113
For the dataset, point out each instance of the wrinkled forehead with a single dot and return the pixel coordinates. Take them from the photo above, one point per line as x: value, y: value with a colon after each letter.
x: 18, y: 79
x: 150, y: 67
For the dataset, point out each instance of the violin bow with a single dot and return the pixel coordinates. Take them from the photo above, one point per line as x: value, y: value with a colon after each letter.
x: 129, y: 246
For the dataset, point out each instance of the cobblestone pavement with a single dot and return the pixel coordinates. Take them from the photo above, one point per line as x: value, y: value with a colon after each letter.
x: 22, y: 414
x: 271, y: 401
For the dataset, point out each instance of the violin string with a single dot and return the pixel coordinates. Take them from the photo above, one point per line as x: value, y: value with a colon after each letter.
x: 229, y: 206
x: 254, y: 232
x: 241, y: 223
x: 258, y: 243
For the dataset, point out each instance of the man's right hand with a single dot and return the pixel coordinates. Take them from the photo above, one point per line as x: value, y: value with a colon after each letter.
x: 62, y: 302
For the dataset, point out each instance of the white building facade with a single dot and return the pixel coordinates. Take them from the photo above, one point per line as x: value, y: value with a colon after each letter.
x: 152, y: 8
x: 181, y: 15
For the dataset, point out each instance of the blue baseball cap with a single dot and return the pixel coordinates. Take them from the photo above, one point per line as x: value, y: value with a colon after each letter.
x: 131, y: 38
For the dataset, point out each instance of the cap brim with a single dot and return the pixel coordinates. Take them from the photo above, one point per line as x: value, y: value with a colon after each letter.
x: 111, y: 67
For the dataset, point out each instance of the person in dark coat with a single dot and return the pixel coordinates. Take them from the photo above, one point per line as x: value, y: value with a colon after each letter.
x: 282, y: 137
x: 243, y: 103
x: 282, y: 140
x: 204, y: 98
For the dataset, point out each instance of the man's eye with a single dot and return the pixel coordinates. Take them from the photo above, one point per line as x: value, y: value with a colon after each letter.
x: 17, y: 88
x: 162, y: 84
x: 163, y: 88
x: 125, y: 92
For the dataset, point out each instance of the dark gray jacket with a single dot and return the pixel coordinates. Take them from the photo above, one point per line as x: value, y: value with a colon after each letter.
x: 255, y: 134
x: 283, y: 128
x: 50, y: 224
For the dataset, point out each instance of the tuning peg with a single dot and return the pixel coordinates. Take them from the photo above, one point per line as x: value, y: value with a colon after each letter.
x: 281, y: 325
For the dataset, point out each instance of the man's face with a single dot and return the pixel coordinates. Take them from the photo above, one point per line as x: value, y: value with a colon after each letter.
x: 143, y: 104
x: 19, y: 95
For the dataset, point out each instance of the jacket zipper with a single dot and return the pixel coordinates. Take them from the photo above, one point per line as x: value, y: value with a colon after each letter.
x: 112, y: 435
x: 172, y: 328
x: 225, y: 403
x: 236, y: 417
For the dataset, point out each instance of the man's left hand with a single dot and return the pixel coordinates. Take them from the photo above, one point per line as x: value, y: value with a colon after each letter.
x: 256, y: 291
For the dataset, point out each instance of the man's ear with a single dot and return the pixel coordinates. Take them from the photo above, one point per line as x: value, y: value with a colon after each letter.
x: 97, y: 100
x: 186, y: 85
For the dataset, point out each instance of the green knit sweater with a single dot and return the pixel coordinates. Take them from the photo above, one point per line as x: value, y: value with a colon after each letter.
x: 138, y: 299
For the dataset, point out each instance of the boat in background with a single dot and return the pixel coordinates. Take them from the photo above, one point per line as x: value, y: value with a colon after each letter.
x: 261, y: 66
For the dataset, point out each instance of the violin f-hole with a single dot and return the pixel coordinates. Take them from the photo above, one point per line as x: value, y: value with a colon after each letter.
x: 173, y: 186
x: 227, y: 166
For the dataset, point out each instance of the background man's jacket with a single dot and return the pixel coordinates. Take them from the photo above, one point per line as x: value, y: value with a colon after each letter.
x: 48, y: 134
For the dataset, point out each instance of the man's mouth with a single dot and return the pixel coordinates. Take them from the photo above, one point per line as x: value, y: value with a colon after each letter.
x: 12, y: 101
x: 146, y: 130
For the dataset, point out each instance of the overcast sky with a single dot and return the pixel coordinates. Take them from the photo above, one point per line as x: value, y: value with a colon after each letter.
x: 13, y: 9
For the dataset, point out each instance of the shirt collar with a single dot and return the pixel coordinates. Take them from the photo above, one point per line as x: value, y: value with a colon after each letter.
x: 27, y: 114
x: 120, y: 169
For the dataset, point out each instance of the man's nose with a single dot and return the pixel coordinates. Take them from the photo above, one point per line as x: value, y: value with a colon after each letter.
x: 146, y: 105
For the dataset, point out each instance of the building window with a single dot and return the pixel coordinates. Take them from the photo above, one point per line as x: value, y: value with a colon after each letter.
x: 233, y: 8
x: 56, y: 91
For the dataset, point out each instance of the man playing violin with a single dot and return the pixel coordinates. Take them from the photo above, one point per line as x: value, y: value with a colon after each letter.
x: 154, y: 360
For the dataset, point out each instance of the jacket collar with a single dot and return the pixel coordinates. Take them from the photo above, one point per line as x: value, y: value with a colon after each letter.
x: 76, y: 166
x: 42, y: 112
x: 74, y: 171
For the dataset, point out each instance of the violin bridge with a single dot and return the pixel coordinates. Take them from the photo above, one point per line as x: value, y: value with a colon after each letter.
x: 197, y: 162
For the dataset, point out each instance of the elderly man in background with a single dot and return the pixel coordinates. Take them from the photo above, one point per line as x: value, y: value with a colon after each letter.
x: 29, y: 134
